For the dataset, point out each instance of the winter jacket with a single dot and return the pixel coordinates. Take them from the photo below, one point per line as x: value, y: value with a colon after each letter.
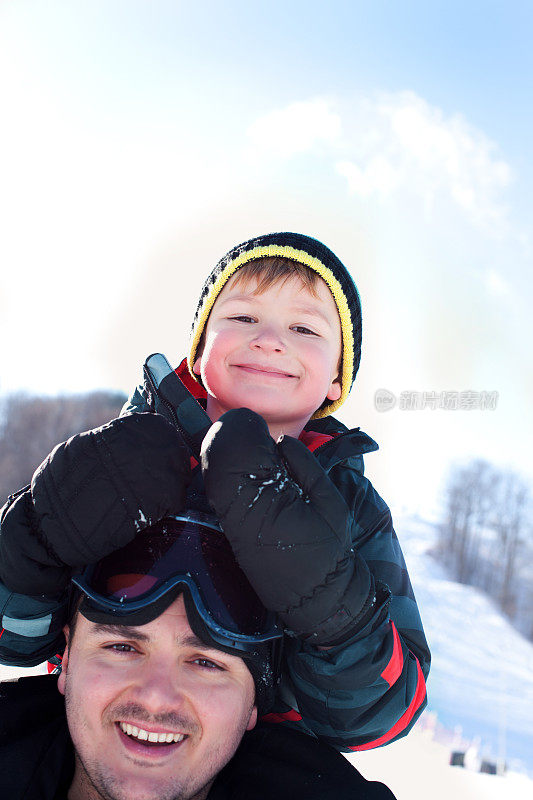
x: 369, y: 690
x: 37, y: 757
x: 363, y: 693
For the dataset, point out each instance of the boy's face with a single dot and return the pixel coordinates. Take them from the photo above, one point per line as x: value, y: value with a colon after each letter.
x: 276, y: 353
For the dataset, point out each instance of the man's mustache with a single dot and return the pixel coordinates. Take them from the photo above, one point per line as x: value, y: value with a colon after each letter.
x: 170, y: 719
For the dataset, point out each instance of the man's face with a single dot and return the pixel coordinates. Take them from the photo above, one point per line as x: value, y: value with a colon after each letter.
x: 276, y: 352
x: 126, y: 687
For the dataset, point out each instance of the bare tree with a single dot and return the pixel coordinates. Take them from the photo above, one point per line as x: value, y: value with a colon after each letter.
x: 510, y: 524
x: 468, y: 505
x: 488, y: 513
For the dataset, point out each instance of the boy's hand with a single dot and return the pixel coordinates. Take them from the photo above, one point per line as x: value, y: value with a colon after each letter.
x: 289, y: 527
x: 91, y: 496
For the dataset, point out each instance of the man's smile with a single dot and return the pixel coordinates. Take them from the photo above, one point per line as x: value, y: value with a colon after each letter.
x: 150, y: 745
x: 157, y: 737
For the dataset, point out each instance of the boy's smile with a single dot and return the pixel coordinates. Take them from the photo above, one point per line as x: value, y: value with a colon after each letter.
x: 276, y: 352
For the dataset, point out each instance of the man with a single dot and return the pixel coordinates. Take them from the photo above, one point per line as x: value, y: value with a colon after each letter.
x: 170, y: 658
x: 166, y: 712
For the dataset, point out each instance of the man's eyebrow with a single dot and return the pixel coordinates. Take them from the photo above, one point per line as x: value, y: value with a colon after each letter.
x: 127, y: 631
x: 133, y: 632
x: 191, y: 640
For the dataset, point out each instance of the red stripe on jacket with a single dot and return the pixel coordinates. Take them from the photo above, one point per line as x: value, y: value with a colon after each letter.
x: 393, y: 670
x: 194, y: 387
x: 285, y: 716
x: 405, y: 719
x: 314, y: 440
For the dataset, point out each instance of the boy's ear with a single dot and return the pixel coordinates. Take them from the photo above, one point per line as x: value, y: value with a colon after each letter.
x: 64, y: 663
x: 335, y: 390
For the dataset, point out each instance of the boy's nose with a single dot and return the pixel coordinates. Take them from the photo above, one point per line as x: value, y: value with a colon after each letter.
x: 268, y: 339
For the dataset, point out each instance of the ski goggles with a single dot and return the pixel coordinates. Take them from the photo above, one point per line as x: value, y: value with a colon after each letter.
x: 186, y: 554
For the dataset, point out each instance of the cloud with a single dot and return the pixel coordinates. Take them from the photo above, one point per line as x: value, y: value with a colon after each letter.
x: 378, y: 176
x: 297, y: 128
x: 404, y: 144
x: 393, y: 145
x: 496, y: 285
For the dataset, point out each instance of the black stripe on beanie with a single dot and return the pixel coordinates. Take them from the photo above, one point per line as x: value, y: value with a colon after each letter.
x: 316, y: 256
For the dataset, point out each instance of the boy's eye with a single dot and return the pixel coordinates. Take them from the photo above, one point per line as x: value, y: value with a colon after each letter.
x: 303, y: 329
x: 243, y: 318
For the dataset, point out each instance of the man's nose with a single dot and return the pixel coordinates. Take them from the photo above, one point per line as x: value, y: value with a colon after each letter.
x: 269, y: 338
x: 160, y: 687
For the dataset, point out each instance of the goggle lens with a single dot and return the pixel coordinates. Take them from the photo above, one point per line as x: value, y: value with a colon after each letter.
x: 193, y: 550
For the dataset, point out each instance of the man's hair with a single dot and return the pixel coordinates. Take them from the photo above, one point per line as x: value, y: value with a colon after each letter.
x: 74, y: 612
x: 270, y: 270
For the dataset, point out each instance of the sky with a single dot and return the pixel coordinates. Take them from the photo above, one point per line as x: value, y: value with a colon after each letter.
x: 140, y: 141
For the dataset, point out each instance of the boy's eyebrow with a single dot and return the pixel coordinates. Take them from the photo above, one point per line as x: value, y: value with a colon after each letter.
x: 315, y: 311
x: 232, y: 297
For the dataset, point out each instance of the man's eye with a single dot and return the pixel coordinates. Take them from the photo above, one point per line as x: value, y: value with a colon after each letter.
x: 206, y: 663
x: 121, y: 647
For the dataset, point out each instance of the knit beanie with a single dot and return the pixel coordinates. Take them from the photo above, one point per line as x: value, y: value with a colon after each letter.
x: 316, y: 256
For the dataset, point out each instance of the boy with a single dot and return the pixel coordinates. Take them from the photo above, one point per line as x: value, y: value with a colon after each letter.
x: 275, y: 348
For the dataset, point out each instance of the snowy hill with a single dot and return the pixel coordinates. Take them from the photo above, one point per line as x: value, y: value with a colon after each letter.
x: 482, y: 669
x: 480, y: 686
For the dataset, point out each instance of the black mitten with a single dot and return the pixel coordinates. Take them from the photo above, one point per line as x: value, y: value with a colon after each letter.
x: 91, y: 496
x: 289, y: 527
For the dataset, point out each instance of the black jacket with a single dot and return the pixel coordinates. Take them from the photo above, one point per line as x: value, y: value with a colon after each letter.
x: 37, y: 758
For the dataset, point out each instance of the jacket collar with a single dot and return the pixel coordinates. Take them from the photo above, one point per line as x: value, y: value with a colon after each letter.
x: 336, y: 444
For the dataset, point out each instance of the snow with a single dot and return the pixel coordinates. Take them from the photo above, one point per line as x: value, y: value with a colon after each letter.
x: 10, y: 673
x: 417, y: 768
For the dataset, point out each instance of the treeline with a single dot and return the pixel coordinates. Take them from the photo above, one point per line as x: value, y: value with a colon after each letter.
x: 485, y: 539
x: 30, y: 427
